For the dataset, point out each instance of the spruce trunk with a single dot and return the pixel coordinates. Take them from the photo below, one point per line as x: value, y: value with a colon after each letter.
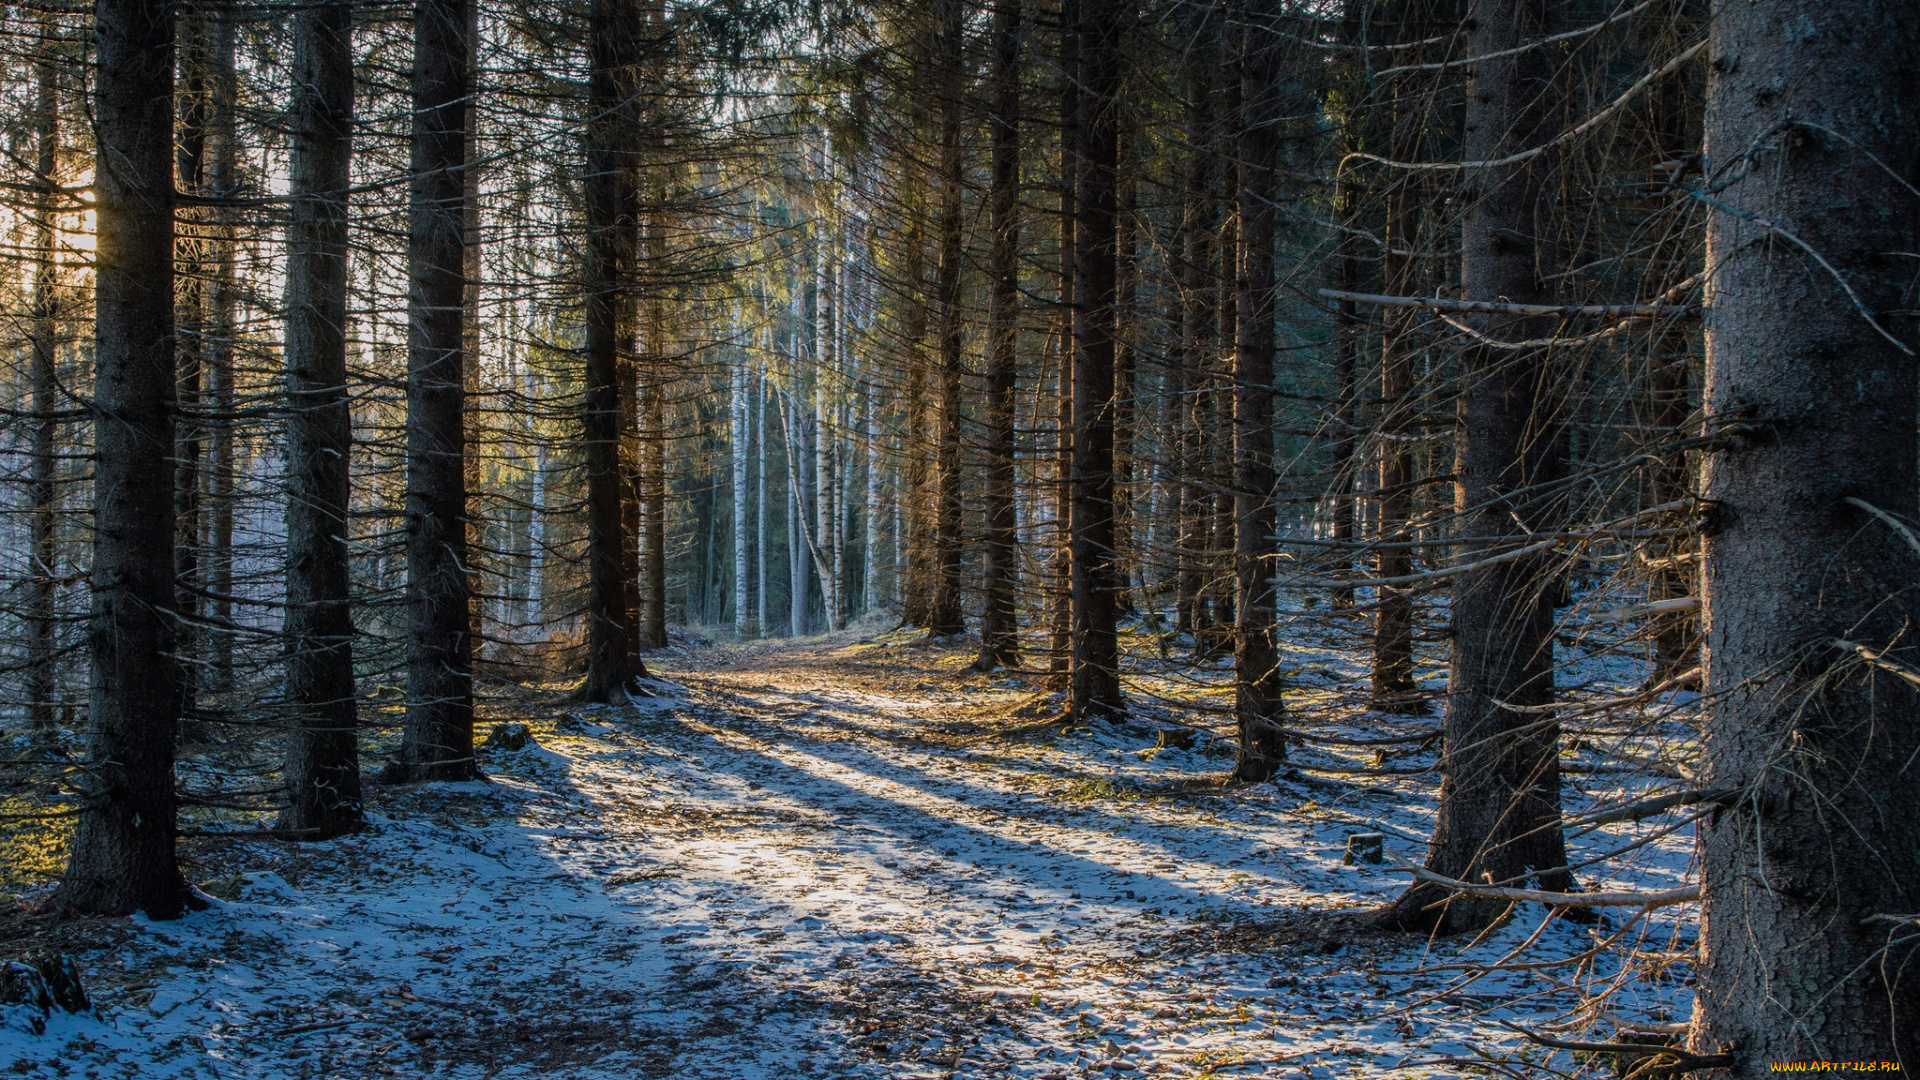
x: 1256, y: 665
x: 1095, y: 680
x: 437, y: 743
x: 1809, y: 945
x: 323, y: 756
x: 122, y: 858
x: 1499, y: 817
x: 1000, y: 570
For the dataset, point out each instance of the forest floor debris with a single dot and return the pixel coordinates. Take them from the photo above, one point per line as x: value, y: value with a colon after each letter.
x: 828, y: 858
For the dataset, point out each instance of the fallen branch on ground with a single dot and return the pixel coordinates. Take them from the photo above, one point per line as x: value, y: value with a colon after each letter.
x: 1687, y: 1060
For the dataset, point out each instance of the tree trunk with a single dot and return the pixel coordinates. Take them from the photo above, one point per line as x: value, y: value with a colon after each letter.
x: 1499, y: 813
x: 1809, y: 951
x: 437, y: 743
x: 944, y: 617
x: 122, y: 855
x: 1126, y: 296
x: 1668, y: 402
x: 612, y: 233
x: 193, y: 246
x: 1060, y: 644
x: 1217, y: 431
x: 1393, y: 689
x: 1000, y: 569
x: 1348, y: 329
x: 1095, y: 683
x: 738, y: 444
x: 872, y: 597
x: 221, y: 328
x: 761, y: 622
x: 1257, y: 703
x: 42, y: 684
x: 916, y: 586
x: 1197, y: 325
x: 797, y: 555
x: 828, y: 561
x: 653, y: 476
x: 323, y: 754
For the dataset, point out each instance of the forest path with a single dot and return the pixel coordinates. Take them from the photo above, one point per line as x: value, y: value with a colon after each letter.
x: 806, y: 859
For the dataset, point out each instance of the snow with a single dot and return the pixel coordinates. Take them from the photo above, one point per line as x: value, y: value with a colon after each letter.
x: 776, y: 868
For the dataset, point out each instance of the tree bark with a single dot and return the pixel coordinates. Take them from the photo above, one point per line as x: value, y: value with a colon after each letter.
x: 944, y: 616
x: 1095, y: 681
x: 1257, y: 705
x: 192, y: 246
x: 761, y: 518
x: 42, y: 683
x: 221, y: 327
x: 1826, y: 830
x: 1197, y: 326
x: 1668, y: 402
x: 437, y: 743
x: 653, y: 467
x: 739, y: 445
x: 916, y: 585
x: 612, y: 235
x: 323, y: 755
x: 1392, y: 685
x: 1218, y: 583
x: 829, y: 556
x: 1499, y: 815
x: 122, y: 855
x: 1348, y: 330
x: 1060, y: 629
x: 1000, y: 570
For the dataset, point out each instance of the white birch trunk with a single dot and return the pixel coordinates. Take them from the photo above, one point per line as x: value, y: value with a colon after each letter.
x: 826, y: 531
x: 797, y: 557
x: 737, y: 391
x: 760, y: 505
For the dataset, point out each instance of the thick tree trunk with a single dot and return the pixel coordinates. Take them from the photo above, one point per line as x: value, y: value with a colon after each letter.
x: 944, y: 617
x: 1095, y: 682
x: 1000, y: 569
x: 1809, y: 951
x: 612, y: 234
x: 1257, y: 703
x: 323, y: 755
x: 437, y: 743
x: 122, y: 855
x: 38, y: 607
x: 1500, y: 774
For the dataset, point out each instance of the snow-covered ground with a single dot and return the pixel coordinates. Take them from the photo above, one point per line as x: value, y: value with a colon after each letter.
x: 815, y: 861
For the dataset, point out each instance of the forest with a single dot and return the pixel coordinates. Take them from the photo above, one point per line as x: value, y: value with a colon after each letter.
x: 959, y: 538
